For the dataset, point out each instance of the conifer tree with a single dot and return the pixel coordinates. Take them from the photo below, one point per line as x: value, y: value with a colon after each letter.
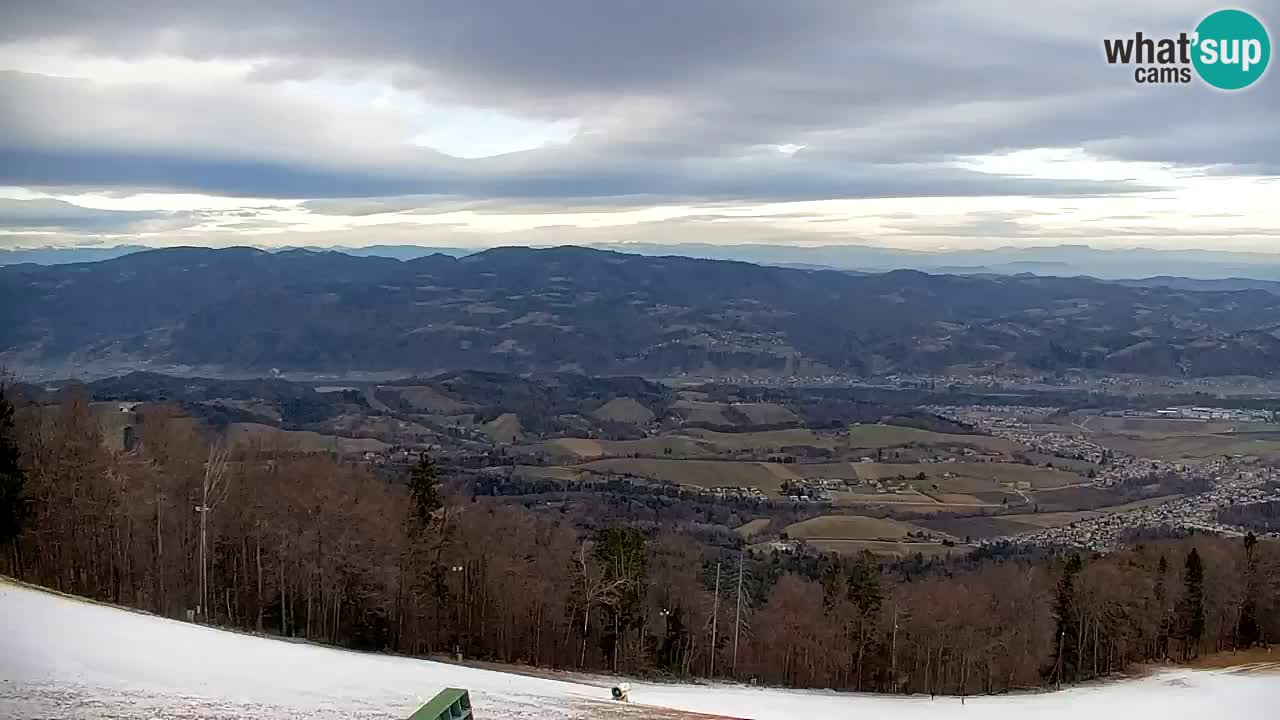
x: 1191, y: 609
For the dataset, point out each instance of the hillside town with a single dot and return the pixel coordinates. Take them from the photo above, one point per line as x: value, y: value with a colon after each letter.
x: 1236, y: 482
x: 1114, y: 467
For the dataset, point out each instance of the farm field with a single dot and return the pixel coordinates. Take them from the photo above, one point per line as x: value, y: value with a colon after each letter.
x: 828, y: 471
x: 971, y: 476
x: 766, y: 413
x: 1016, y: 524
x: 864, y: 437
x: 890, y: 549
x: 1175, y: 440
x: 1193, y: 448
x: 909, y: 500
x: 697, y: 411
x: 554, y: 473
x: 624, y: 410
x: 504, y: 429
x: 700, y: 473
x: 850, y: 527
x: 1079, y: 467
x: 977, y: 528
x: 1058, y: 519
x: 244, y: 434
x: 678, y: 445
x: 765, y: 440
x: 699, y: 457
x: 751, y: 527
x: 1157, y: 427
x: 885, y: 436
x: 423, y: 398
x: 706, y: 444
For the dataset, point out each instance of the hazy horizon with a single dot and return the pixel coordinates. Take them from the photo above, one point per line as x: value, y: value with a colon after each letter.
x: 1059, y: 260
x: 904, y: 125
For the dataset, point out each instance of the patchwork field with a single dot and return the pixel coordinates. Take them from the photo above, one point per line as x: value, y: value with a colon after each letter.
x: 974, y: 484
x: 702, y: 443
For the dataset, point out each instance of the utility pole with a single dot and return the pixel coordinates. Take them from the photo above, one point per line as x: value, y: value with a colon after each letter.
x: 715, y: 616
x: 893, y: 651
x: 737, y: 617
x: 203, y: 508
x: 215, y: 470
x: 1057, y: 670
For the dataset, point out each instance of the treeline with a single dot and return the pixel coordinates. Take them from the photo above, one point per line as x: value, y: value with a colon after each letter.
x: 308, y: 547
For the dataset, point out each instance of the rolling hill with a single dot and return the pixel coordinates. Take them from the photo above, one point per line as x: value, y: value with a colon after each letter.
x: 245, y: 311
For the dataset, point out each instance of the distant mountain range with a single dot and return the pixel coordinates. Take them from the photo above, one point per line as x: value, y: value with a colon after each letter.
x: 67, y: 256
x: 62, y: 256
x: 246, y: 311
x: 1057, y: 260
x: 1049, y: 261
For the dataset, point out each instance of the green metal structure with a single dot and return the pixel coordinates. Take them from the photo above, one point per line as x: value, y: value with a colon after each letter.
x: 450, y: 704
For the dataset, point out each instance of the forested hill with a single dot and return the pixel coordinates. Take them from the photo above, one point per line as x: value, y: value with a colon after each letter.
x: 574, y: 309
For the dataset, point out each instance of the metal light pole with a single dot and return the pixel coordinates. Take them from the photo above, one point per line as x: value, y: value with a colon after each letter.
x: 893, y: 651
x: 715, y: 617
x: 214, y: 471
x: 203, y: 508
x: 737, y: 617
x: 462, y: 611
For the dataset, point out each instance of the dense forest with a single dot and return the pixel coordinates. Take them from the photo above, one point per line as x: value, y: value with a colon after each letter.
x: 520, y: 310
x: 307, y: 547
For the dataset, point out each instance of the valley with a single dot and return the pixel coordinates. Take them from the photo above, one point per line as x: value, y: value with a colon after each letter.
x: 809, y: 469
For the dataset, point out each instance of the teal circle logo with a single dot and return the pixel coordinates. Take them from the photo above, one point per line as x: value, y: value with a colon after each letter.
x: 1232, y: 49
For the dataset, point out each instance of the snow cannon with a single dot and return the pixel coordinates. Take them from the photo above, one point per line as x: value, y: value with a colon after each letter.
x: 450, y: 704
x: 622, y: 692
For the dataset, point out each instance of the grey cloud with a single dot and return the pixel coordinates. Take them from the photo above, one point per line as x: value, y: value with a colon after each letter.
x: 567, y: 48
x: 50, y: 214
x: 20, y: 218
x: 676, y: 98
x: 285, y: 169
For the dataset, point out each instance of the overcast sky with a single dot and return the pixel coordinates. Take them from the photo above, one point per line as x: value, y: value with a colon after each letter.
x: 907, y: 123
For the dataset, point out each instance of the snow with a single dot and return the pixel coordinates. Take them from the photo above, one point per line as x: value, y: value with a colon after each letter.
x: 65, y: 658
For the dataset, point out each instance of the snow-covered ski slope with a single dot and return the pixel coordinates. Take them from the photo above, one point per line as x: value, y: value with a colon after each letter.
x: 63, y: 658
